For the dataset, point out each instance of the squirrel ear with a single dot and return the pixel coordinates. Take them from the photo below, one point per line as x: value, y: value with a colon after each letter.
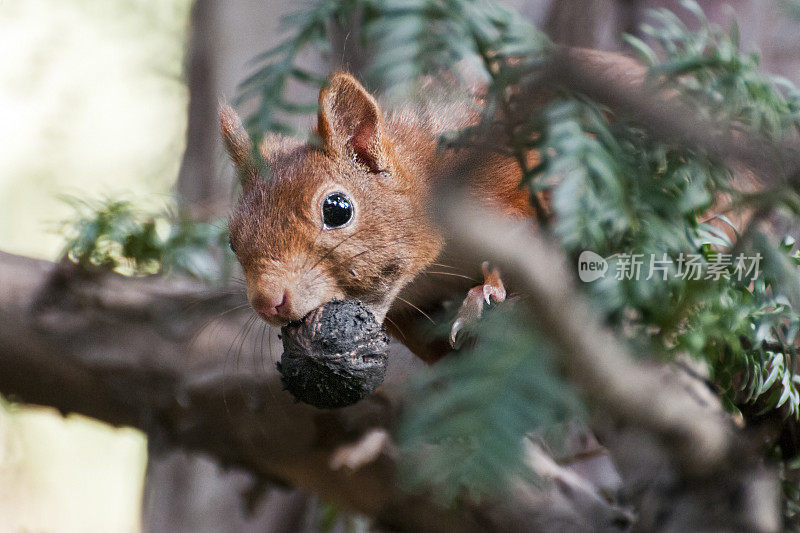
x: 237, y: 142
x: 350, y: 122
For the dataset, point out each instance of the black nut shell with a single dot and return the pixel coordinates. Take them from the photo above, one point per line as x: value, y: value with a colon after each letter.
x: 335, y: 356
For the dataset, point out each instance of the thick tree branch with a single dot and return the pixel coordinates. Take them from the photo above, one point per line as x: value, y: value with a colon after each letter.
x: 133, y: 352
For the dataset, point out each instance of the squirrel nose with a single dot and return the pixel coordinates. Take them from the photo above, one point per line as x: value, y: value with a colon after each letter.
x: 271, y: 305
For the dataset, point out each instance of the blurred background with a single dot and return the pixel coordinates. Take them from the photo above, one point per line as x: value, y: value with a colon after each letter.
x: 118, y: 98
x: 93, y: 103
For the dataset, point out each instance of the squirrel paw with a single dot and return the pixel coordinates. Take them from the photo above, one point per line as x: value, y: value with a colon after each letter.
x: 472, y: 307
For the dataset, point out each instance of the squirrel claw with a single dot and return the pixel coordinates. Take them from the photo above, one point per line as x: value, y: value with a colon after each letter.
x: 472, y: 307
x: 456, y: 327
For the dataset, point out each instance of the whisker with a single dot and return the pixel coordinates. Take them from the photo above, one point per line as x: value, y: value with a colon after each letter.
x: 234, y: 350
x: 235, y: 340
x: 223, y: 313
x: 209, y: 296
x: 271, y: 357
x: 376, y: 248
x: 227, y: 358
x: 210, y: 321
x: 308, y: 257
x: 250, y: 324
x: 417, y: 308
x: 450, y: 274
x: 244, y: 339
x: 268, y: 335
x: 355, y: 233
x: 392, y: 322
x: 330, y: 251
x: 258, y: 363
x: 444, y: 266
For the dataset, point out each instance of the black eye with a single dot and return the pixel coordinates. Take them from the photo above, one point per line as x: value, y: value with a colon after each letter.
x: 337, y: 210
x: 230, y: 245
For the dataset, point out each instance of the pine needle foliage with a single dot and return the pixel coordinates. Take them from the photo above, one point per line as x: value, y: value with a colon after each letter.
x: 118, y: 235
x: 706, y: 65
x: 409, y: 39
x: 464, y: 437
x: 277, y: 67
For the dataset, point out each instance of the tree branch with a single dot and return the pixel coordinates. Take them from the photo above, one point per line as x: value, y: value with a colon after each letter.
x: 136, y: 352
x: 133, y: 352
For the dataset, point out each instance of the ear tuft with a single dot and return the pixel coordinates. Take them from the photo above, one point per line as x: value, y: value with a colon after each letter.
x: 350, y: 122
x: 237, y: 142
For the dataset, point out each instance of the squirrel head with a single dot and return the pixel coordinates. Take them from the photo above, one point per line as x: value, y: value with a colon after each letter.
x: 345, y: 219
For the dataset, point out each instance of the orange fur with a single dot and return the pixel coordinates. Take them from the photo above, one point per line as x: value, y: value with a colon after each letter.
x: 387, y: 256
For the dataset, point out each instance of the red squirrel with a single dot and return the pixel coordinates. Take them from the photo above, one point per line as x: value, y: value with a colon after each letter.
x: 349, y: 219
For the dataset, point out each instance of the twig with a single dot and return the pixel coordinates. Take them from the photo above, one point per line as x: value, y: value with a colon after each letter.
x: 590, y: 354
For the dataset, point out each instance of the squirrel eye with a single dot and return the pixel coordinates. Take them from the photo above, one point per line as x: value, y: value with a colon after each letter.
x: 337, y: 210
x: 230, y: 245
